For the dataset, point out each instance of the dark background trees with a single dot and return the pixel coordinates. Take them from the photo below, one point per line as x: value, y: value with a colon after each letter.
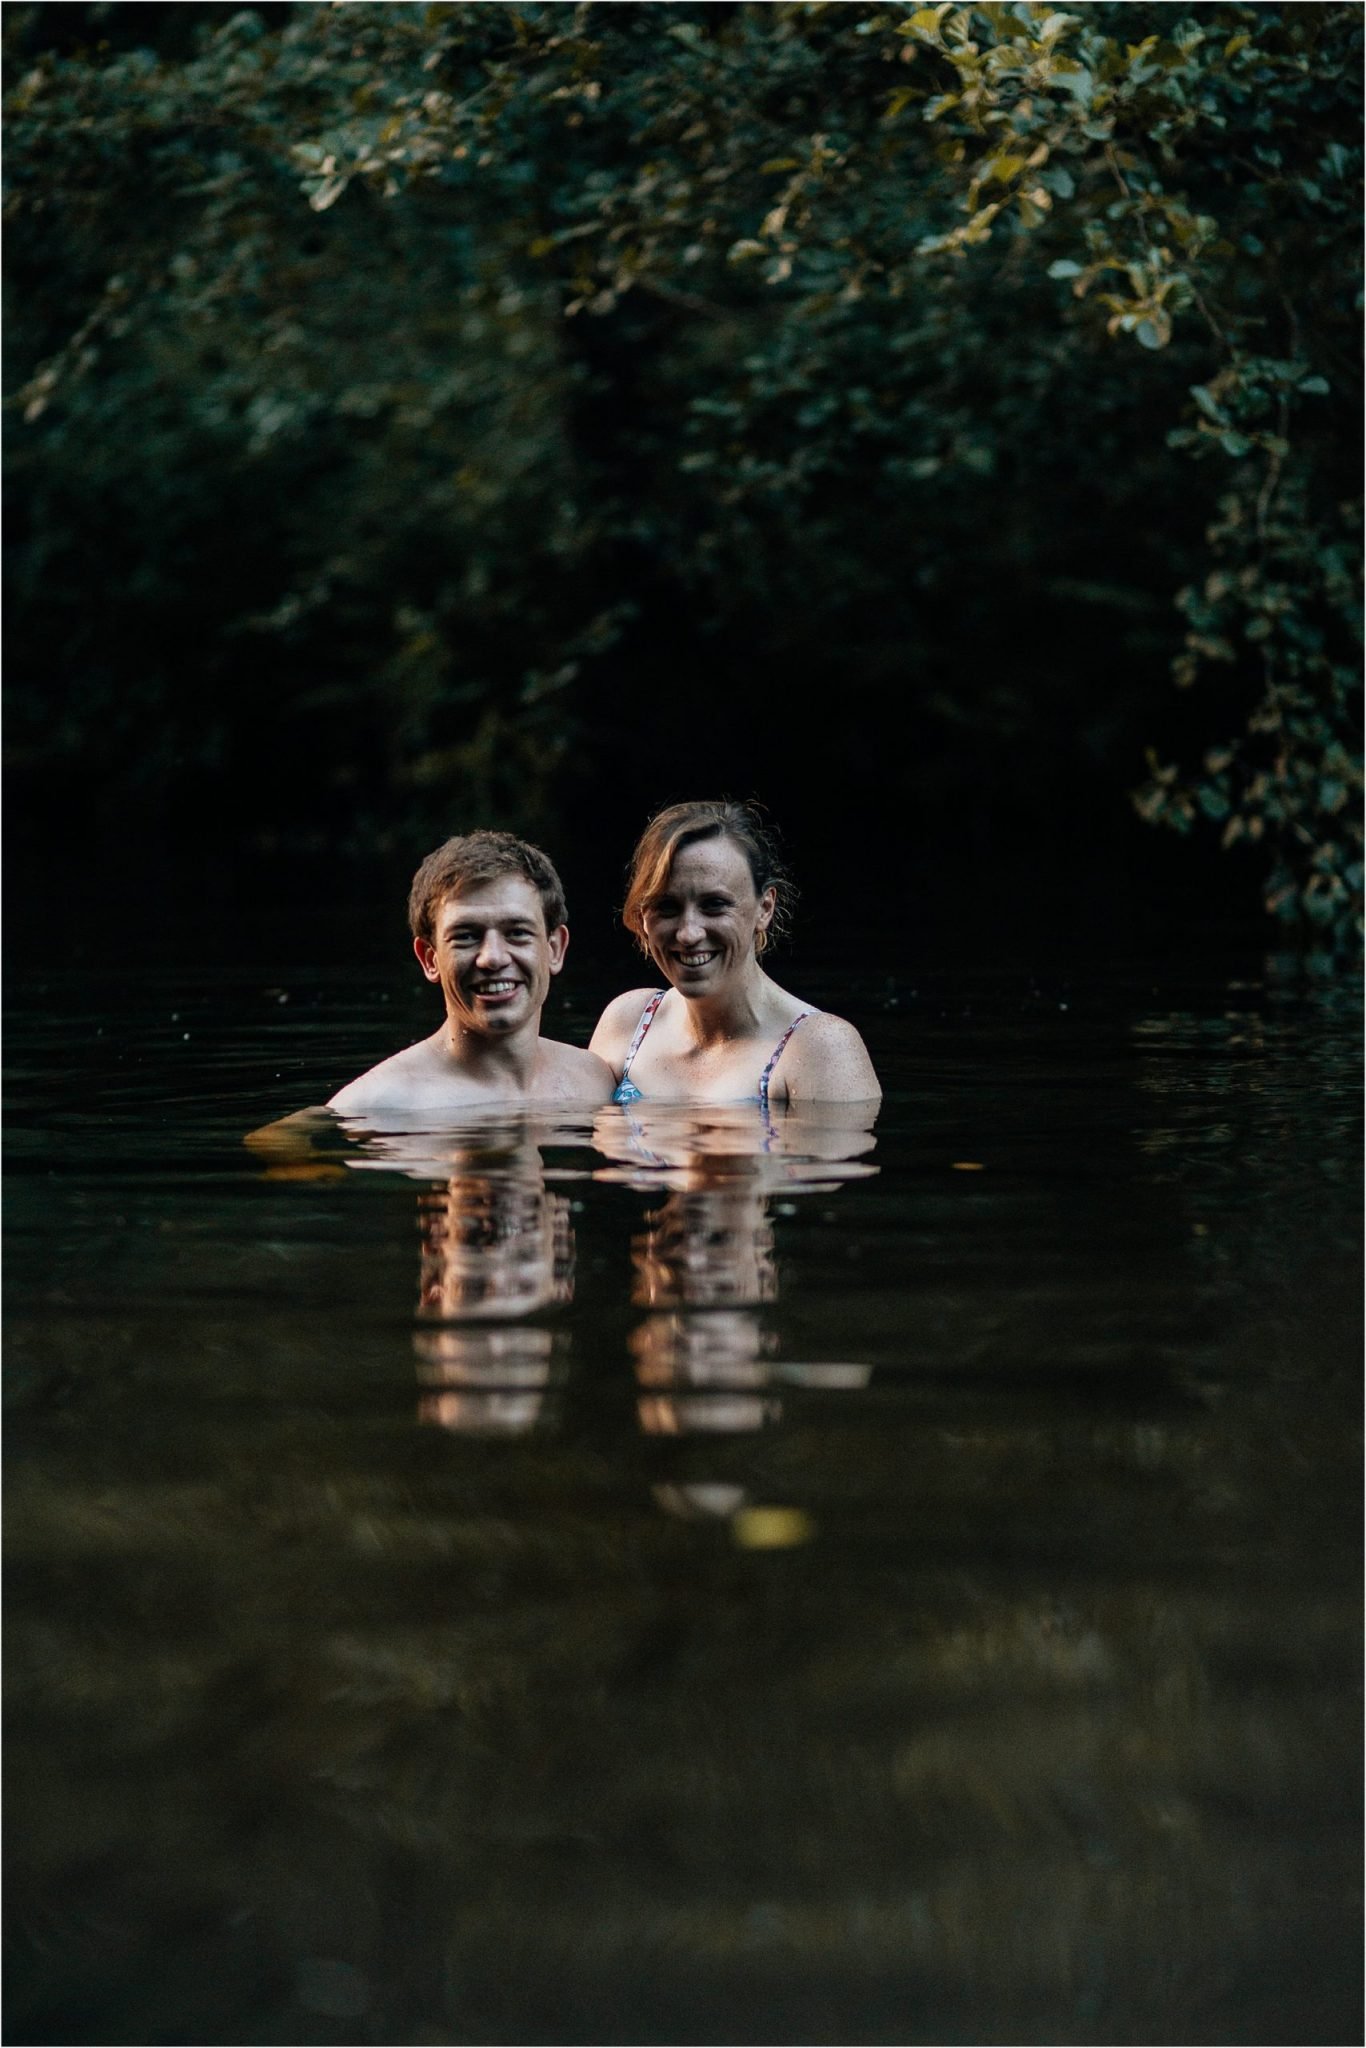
x: 942, y: 422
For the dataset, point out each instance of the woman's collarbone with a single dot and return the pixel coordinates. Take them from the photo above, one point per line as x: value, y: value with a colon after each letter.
x: 732, y: 1071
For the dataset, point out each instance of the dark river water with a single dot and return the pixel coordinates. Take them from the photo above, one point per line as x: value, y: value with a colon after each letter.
x: 685, y: 1578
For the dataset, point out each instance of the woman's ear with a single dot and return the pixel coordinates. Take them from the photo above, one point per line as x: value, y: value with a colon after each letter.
x: 768, y: 903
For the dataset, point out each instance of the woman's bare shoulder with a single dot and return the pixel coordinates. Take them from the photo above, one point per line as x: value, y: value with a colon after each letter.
x: 827, y: 1060
x: 612, y: 1034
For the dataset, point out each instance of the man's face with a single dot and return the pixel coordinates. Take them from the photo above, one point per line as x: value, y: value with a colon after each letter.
x: 492, y: 957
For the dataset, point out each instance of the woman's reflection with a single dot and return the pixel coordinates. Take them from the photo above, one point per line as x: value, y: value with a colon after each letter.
x: 708, y: 1247
x: 705, y: 1265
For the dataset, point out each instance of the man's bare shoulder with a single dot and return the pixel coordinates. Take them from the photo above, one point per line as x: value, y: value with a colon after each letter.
x: 574, y: 1074
x: 404, y: 1081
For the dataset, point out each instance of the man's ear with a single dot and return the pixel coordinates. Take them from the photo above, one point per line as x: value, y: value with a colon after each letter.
x: 426, y: 958
x: 558, y: 942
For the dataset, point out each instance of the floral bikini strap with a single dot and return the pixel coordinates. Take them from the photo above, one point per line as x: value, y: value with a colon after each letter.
x: 646, y: 1019
x: 777, y: 1054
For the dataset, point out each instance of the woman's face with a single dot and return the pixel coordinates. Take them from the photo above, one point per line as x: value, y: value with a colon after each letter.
x: 701, y: 930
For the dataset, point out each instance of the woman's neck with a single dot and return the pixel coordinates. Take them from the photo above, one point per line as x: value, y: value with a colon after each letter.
x: 732, y: 1012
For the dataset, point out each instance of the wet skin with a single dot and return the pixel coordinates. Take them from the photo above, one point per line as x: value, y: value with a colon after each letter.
x: 492, y: 957
x: 701, y: 931
x: 493, y: 960
x: 714, y: 1033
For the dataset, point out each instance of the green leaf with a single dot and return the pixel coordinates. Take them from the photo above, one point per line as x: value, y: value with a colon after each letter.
x: 1081, y: 84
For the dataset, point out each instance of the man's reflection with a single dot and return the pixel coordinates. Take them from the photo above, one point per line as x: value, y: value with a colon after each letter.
x: 497, y: 1245
x: 486, y: 1380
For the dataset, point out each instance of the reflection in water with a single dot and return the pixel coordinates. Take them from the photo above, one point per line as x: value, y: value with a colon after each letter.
x: 496, y: 1245
x: 725, y: 1353
x: 705, y: 1264
x: 483, y: 1380
x: 708, y: 1247
x: 1013, y: 1700
x: 816, y: 1147
x: 498, y: 1249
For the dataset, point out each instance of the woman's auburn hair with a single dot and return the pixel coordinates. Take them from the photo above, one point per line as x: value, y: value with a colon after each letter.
x: 682, y: 825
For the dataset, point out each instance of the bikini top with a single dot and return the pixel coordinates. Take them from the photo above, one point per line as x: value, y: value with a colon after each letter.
x: 626, y: 1089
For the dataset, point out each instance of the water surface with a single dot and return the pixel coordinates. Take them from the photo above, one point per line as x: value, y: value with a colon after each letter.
x: 661, y: 1577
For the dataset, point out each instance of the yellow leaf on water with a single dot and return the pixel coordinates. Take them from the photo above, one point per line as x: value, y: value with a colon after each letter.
x: 772, y: 1528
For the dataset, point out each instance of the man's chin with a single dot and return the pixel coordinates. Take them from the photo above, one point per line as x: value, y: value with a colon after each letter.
x: 496, y: 1019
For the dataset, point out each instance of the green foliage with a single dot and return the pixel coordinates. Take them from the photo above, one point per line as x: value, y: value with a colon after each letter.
x: 312, y: 456
x: 951, y: 338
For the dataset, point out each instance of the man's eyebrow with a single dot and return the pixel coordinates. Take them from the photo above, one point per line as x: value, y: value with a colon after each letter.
x: 477, y: 921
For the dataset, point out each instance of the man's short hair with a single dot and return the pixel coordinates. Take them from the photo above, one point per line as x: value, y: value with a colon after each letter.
x: 476, y: 857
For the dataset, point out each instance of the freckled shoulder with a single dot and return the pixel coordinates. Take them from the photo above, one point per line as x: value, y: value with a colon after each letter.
x: 826, y: 1060
x: 616, y: 1025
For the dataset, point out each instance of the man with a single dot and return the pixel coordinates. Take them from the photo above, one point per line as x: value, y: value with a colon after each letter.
x: 487, y: 914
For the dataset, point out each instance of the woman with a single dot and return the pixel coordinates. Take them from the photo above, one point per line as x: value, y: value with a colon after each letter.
x: 704, y: 898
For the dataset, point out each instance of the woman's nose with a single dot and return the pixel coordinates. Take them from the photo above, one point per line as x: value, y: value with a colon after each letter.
x: 690, y: 925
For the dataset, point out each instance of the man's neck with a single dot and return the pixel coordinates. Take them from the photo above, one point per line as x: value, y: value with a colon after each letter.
x: 509, y: 1060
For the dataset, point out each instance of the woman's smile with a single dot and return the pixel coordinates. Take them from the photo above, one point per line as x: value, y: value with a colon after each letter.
x: 702, y: 901
x: 705, y: 920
